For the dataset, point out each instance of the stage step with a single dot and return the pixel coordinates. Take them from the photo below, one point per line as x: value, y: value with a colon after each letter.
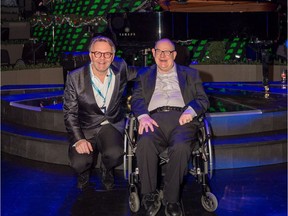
x: 230, y: 151
x: 249, y: 128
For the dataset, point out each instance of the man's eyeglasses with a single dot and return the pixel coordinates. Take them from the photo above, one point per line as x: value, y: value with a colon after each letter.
x: 166, y: 52
x: 100, y: 54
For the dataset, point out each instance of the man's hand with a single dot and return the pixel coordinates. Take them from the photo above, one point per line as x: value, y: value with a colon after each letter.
x: 185, y: 118
x: 146, y: 123
x: 83, y: 146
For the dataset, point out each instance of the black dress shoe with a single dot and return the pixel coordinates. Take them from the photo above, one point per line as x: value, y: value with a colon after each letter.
x: 173, y: 209
x: 152, y: 203
x: 83, y: 180
x: 107, y: 178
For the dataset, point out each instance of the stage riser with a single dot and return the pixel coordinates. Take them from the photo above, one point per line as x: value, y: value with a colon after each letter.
x: 48, y: 120
x: 250, y: 155
x: 225, y: 156
x: 237, y: 124
x: 35, y: 149
x: 221, y: 125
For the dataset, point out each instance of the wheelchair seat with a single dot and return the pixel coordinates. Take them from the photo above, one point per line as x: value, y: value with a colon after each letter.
x: 201, y: 163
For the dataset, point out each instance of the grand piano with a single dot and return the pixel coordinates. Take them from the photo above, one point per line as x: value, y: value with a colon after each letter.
x: 136, y: 32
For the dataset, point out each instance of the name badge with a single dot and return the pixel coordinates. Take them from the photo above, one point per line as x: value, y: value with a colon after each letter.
x: 103, y: 109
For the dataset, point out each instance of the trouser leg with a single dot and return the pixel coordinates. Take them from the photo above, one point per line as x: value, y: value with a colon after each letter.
x: 110, y: 145
x: 80, y: 162
x: 147, y: 162
x: 109, y: 142
x: 179, y: 153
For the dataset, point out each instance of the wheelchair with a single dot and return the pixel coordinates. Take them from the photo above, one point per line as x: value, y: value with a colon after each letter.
x: 201, y: 166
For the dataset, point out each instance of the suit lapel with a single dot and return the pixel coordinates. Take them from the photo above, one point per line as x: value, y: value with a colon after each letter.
x: 150, y: 84
x: 115, y: 92
x: 182, y: 76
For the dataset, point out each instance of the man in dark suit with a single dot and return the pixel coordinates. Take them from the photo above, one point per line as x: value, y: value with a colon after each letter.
x: 167, y: 100
x: 93, y: 112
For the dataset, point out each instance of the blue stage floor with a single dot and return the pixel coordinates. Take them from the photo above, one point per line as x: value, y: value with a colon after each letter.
x: 31, y: 188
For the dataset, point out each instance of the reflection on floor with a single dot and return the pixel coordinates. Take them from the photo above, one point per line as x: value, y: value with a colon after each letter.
x: 30, y: 188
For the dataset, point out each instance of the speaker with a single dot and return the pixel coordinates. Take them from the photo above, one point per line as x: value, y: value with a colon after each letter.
x: 5, y: 58
x: 183, y: 55
x: 4, y: 34
x: 34, y: 53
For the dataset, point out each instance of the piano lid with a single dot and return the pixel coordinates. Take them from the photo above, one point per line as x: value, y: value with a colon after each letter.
x: 144, y: 28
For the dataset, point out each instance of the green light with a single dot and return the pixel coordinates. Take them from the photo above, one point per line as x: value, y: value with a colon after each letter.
x: 190, y: 48
x: 203, y: 42
x: 196, y: 55
x: 137, y: 3
x: 115, y: 5
x: 83, y: 41
x: 113, y: 10
x: 103, y: 7
x: 230, y: 51
x: 194, y: 42
x: 233, y: 45
x: 239, y: 51
x: 75, y: 36
x: 94, y: 7
x: 100, y: 13
x: 200, y: 48
x: 79, y: 47
x: 227, y: 57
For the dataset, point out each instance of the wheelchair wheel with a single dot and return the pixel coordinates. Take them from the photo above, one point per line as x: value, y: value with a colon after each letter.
x: 134, y: 202
x: 209, y: 202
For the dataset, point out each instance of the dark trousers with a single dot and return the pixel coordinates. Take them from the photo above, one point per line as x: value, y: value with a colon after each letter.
x: 109, y: 142
x: 179, y: 140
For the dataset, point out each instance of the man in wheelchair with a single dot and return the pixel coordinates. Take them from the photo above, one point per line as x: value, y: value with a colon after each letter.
x: 167, y: 99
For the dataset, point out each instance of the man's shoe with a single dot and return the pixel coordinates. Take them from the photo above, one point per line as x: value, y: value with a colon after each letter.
x: 173, y: 209
x: 152, y: 203
x: 107, y: 178
x: 83, y: 180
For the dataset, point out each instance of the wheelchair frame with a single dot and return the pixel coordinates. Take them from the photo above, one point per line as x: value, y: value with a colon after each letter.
x: 201, y: 158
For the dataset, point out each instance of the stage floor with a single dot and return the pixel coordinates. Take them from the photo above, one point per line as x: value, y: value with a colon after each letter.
x: 30, y: 188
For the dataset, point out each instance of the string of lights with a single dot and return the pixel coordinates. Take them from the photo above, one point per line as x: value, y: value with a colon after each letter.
x: 74, y: 21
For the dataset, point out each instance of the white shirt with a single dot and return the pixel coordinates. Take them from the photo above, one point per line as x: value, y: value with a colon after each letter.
x: 105, y: 88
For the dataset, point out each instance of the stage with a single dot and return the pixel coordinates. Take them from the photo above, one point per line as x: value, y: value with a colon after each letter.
x: 249, y: 126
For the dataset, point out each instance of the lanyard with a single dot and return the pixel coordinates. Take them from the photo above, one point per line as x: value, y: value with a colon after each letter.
x: 98, y: 90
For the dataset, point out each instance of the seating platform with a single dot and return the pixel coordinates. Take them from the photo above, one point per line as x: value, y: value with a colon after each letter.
x: 249, y: 126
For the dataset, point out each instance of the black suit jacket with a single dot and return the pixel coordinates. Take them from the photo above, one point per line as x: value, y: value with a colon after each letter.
x: 82, y: 115
x: 190, y: 84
